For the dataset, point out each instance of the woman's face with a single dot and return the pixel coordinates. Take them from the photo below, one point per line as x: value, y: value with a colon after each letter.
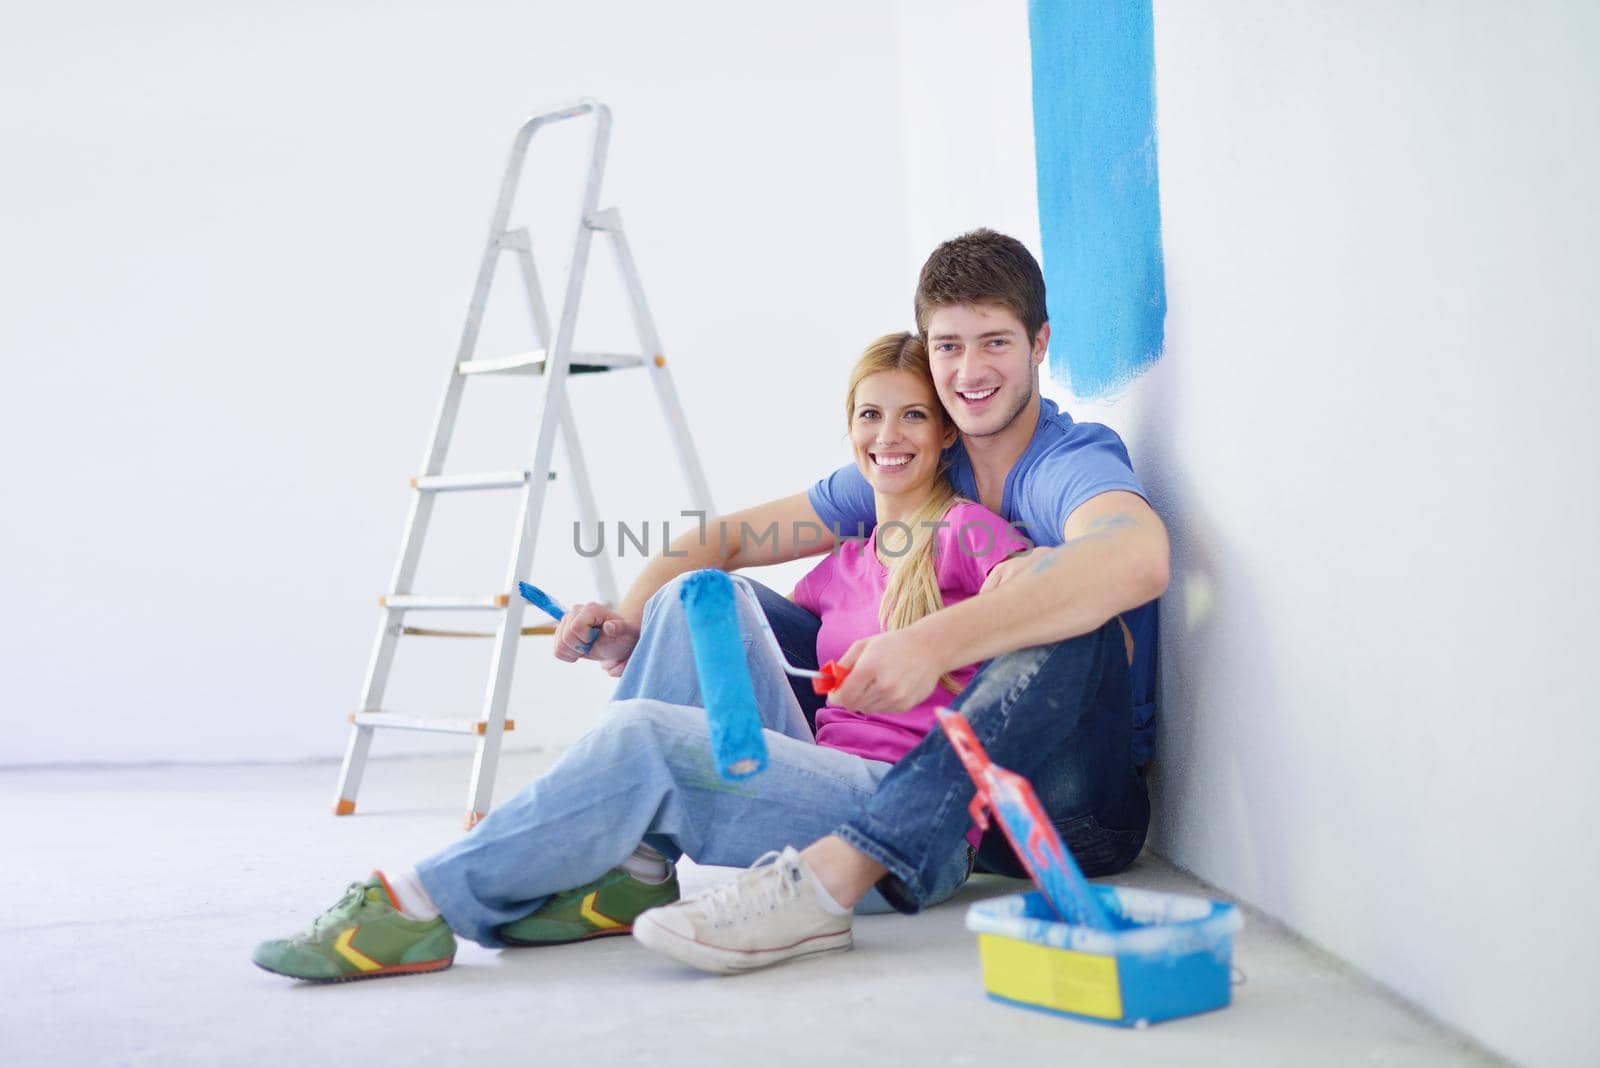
x: 897, y: 431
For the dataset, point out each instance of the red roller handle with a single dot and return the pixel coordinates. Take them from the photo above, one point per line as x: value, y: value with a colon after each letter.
x: 831, y: 678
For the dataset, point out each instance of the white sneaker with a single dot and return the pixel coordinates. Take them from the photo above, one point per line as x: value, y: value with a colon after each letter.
x: 767, y: 915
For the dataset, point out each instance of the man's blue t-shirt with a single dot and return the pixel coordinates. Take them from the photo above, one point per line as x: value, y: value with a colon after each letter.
x: 1064, y: 465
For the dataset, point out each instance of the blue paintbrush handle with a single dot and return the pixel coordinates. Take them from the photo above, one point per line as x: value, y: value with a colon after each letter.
x: 541, y: 600
x: 552, y: 608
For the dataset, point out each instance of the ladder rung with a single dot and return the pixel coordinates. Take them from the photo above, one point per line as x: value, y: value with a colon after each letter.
x: 423, y: 723
x: 532, y: 363
x: 433, y: 632
x: 401, y: 601
x: 492, y: 480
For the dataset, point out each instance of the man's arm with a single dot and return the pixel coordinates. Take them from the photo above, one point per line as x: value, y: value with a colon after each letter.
x: 1114, y: 557
x: 771, y: 533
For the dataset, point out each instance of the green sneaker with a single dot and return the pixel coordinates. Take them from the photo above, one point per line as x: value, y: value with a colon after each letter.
x: 604, y: 907
x: 362, y: 937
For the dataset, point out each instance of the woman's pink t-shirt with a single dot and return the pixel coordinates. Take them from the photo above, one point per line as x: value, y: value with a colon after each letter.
x: 846, y: 592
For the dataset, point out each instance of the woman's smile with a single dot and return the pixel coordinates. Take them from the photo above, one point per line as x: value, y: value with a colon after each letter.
x: 898, y: 431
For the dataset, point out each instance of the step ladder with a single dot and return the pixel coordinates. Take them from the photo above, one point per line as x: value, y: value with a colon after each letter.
x: 554, y: 360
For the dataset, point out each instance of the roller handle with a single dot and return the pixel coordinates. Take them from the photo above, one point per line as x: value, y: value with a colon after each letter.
x: 830, y: 678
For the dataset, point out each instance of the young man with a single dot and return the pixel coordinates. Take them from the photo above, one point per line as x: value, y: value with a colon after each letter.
x: 1060, y: 628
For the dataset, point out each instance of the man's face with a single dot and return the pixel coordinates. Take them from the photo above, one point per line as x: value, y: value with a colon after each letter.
x: 983, y: 365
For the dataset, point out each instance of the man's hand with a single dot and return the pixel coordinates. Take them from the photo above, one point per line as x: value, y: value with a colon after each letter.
x: 592, y: 631
x: 888, y: 673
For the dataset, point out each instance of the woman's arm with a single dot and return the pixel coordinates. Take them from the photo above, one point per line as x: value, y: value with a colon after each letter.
x: 771, y: 533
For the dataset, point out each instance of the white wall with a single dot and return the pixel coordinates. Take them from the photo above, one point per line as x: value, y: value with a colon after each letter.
x: 238, y: 248
x: 1373, y: 429
x: 968, y: 157
x: 1372, y: 437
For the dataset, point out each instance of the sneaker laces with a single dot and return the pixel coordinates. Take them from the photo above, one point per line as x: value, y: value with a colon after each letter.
x: 354, y: 894
x: 761, y: 889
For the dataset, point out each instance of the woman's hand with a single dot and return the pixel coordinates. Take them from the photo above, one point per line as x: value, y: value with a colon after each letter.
x: 888, y: 673
x: 591, y: 631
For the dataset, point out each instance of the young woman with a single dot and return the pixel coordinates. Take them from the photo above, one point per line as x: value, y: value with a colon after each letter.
x: 586, y: 850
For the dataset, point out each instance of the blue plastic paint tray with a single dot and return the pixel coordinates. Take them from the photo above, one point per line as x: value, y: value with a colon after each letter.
x: 1171, y: 956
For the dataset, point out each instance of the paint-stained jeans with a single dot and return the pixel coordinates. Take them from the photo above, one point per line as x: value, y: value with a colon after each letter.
x: 1060, y: 715
x: 645, y: 774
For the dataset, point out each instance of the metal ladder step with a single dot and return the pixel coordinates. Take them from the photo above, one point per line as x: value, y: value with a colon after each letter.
x: 489, y: 480
x: 433, y: 724
x: 533, y: 363
x: 398, y: 602
x: 543, y: 629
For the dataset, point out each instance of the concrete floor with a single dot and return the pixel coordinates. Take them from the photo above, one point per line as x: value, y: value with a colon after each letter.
x: 130, y: 900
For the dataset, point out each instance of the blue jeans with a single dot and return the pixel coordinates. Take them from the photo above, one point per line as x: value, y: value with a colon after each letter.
x: 645, y: 774
x: 1060, y: 715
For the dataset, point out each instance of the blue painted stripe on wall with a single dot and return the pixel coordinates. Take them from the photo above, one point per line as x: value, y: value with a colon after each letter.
x: 1094, y: 133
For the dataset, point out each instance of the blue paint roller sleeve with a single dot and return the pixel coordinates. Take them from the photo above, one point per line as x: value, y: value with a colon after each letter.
x: 730, y: 698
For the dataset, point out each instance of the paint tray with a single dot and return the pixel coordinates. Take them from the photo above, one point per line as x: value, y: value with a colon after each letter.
x: 1170, y: 955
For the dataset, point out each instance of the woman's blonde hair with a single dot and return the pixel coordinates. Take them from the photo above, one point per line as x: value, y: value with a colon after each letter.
x: 913, y: 589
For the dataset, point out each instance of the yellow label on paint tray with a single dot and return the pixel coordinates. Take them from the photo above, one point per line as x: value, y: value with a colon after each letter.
x: 1084, y: 983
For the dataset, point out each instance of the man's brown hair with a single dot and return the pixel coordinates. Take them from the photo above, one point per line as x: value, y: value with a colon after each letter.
x: 983, y: 267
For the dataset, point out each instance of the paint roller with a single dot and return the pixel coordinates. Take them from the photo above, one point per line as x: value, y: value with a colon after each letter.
x: 737, y: 744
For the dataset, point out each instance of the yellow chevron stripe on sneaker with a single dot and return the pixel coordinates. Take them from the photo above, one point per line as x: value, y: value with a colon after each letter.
x: 599, y: 919
x: 604, y: 907
x: 342, y: 946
